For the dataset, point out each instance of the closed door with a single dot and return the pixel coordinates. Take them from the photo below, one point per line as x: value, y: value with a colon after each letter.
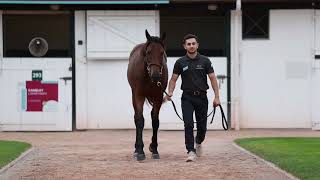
x: 31, y: 104
x: 36, y: 71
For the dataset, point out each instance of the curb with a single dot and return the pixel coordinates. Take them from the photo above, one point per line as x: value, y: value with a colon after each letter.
x: 12, y: 163
x: 273, y: 166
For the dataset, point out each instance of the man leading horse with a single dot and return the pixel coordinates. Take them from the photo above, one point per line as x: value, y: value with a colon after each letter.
x: 194, y: 68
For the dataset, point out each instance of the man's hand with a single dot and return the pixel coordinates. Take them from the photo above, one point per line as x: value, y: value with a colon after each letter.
x: 215, y: 87
x: 167, y: 97
x: 216, y: 102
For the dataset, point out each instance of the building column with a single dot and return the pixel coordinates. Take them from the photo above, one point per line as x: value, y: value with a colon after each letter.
x: 235, y: 68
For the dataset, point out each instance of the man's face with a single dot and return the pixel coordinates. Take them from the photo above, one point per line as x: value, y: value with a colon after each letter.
x: 191, y: 45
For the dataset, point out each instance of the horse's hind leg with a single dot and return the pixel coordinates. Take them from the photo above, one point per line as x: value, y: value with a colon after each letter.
x: 139, y: 122
x: 155, y: 126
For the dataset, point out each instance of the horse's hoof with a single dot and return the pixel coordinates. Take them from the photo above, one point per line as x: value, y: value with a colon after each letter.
x: 141, y: 157
x: 155, y: 156
x: 135, y: 154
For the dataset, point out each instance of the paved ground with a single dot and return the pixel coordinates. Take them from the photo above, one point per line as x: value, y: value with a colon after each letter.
x: 107, y: 154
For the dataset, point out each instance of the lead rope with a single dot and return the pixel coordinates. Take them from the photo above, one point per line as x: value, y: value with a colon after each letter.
x: 223, y: 117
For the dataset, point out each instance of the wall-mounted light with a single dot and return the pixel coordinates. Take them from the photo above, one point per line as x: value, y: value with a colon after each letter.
x: 212, y: 7
x: 54, y: 7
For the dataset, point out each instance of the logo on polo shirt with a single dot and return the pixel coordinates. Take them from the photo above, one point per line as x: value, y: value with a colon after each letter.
x: 185, y: 68
x: 199, y: 66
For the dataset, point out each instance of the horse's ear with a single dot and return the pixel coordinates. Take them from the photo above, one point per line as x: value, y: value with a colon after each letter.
x: 163, y: 36
x: 148, y: 35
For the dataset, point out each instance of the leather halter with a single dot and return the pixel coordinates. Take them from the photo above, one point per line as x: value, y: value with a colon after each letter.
x: 148, y: 64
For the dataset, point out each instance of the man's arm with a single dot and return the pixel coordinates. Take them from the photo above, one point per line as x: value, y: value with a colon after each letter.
x: 214, y: 84
x: 172, y: 85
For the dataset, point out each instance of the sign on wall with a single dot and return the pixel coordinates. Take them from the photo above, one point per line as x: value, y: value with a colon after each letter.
x: 40, y: 96
x: 36, y: 75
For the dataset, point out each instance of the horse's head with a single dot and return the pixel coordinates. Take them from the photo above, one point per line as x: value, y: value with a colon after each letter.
x: 155, y: 57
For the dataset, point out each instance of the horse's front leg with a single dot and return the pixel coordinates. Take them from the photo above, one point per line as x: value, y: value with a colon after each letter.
x: 155, y: 126
x: 139, y: 122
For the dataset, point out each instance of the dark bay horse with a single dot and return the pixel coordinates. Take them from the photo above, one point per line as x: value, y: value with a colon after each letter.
x: 148, y: 76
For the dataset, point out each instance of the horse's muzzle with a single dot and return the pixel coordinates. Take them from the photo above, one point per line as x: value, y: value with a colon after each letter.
x: 156, y: 77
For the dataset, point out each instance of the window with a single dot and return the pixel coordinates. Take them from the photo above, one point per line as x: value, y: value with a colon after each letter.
x: 255, y: 24
x: 211, y: 29
x: 20, y: 29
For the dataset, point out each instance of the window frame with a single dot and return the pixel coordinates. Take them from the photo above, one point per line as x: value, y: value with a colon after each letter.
x: 247, y: 17
x: 22, y: 53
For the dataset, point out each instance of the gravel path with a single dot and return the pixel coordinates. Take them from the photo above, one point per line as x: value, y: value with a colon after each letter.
x: 107, y: 154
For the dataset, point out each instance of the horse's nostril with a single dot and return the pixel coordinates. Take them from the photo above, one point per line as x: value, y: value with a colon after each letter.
x: 156, y: 78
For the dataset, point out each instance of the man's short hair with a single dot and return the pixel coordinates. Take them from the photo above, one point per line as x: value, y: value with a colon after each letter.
x: 189, y: 36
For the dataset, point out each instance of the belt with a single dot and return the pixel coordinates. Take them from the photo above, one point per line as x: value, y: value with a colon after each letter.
x: 195, y: 93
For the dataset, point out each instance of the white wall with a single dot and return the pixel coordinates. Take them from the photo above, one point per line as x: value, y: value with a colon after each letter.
x: 276, y: 74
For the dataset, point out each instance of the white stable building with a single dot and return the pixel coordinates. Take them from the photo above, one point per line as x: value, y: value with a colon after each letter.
x: 63, y: 63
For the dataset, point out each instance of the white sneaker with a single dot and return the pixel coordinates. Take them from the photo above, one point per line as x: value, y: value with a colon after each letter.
x: 199, y: 150
x: 191, y: 156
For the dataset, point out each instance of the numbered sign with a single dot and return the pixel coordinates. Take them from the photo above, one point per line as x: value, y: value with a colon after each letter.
x: 36, y: 75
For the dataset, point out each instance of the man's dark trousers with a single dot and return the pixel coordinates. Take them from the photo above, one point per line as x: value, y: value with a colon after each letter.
x: 199, y: 104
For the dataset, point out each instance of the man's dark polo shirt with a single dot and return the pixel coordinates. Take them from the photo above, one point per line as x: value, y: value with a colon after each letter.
x: 193, y: 72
